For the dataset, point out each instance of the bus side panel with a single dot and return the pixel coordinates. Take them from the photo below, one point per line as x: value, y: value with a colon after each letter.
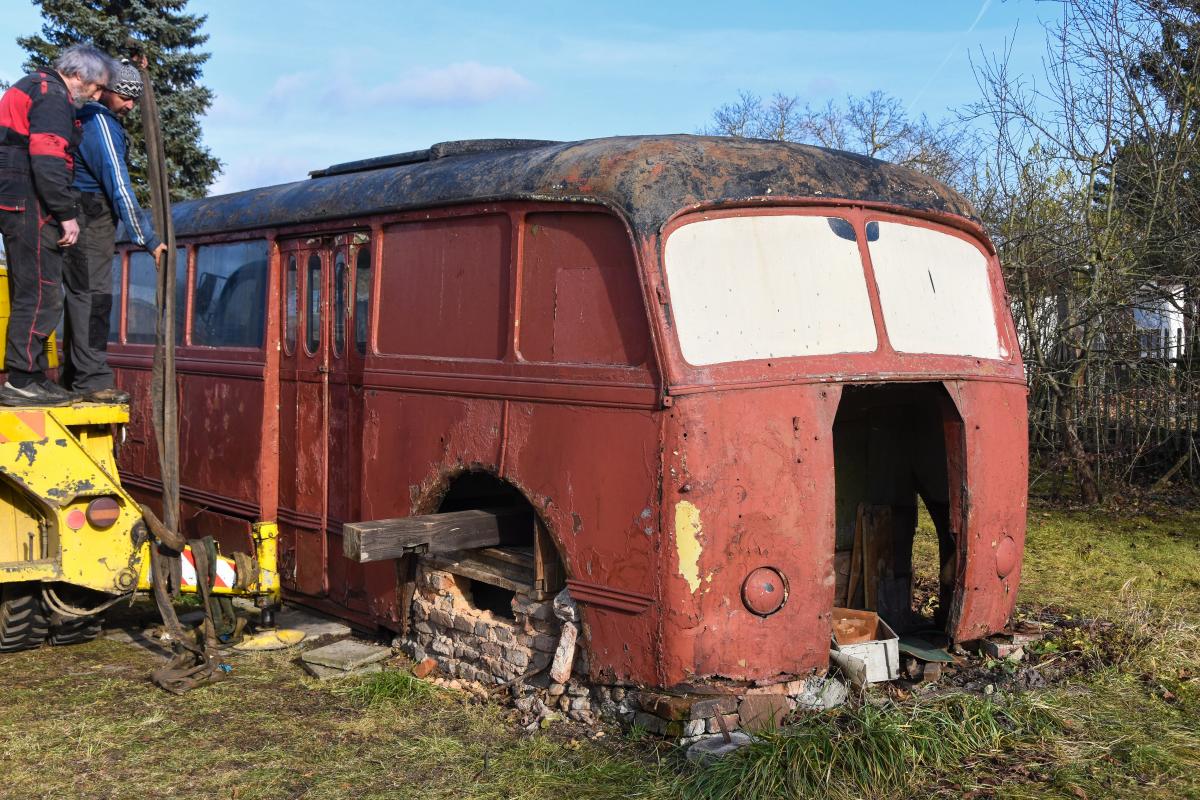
x: 997, y: 477
x: 594, y: 473
x: 412, y: 445
x: 220, y: 436
x: 748, y: 484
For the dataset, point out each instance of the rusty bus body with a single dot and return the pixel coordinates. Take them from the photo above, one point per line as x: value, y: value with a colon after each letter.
x: 694, y: 357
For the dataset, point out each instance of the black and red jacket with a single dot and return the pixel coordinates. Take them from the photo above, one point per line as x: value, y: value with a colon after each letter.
x: 37, y: 137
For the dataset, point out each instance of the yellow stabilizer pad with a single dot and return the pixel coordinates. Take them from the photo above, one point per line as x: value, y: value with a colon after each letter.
x: 280, y: 639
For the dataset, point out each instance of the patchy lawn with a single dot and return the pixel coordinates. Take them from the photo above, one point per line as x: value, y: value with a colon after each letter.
x: 1124, y: 721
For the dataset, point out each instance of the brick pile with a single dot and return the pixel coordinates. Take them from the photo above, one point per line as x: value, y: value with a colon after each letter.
x: 534, y: 653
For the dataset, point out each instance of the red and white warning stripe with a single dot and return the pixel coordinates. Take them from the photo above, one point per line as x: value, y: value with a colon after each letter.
x: 226, y: 571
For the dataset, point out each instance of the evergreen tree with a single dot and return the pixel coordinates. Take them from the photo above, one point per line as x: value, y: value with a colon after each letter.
x: 168, y: 36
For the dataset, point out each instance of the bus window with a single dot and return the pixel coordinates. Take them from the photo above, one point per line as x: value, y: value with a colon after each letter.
x: 581, y: 301
x: 229, y: 304
x: 114, y: 314
x: 291, y: 311
x: 143, y: 291
x: 446, y: 288
x: 767, y: 287
x: 362, y: 298
x: 934, y: 291
x: 312, y: 329
x: 340, y: 274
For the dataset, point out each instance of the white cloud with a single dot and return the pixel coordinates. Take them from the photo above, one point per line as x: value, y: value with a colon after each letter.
x: 249, y: 172
x: 467, y: 83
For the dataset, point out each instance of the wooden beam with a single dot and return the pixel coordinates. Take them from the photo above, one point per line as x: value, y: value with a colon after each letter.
x: 384, y: 539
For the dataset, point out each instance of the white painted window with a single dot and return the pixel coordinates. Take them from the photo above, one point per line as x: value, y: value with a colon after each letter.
x: 767, y: 287
x: 934, y: 290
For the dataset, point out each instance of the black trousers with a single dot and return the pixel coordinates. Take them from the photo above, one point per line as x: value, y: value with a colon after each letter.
x: 87, y: 278
x: 35, y: 265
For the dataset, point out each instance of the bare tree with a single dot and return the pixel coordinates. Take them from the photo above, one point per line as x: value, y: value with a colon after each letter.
x: 875, y: 125
x: 1085, y: 182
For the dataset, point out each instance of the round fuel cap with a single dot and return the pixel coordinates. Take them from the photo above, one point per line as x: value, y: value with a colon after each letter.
x: 764, y: 591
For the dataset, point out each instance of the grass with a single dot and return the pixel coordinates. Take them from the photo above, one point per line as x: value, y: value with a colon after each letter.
x: 1124, y: 721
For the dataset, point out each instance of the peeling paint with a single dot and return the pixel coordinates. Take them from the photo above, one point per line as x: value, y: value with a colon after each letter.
x: 687, y: 542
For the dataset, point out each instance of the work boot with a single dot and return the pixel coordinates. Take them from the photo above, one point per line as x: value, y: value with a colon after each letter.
x: 111, y: 395
x: 33, y: 394
x: 59, y: 391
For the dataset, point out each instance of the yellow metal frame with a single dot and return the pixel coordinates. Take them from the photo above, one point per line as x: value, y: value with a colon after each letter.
x: 53, y: 463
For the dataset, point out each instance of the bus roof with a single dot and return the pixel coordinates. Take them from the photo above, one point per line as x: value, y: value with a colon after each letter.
x: 646, y: 178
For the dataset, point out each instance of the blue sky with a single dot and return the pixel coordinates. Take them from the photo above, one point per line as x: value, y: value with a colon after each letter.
x: 307, y: 83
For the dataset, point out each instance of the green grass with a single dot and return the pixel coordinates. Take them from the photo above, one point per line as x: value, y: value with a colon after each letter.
x: 1125, y: 721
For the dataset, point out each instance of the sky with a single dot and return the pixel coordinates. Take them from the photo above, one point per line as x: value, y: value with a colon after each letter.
x: 303, y: 84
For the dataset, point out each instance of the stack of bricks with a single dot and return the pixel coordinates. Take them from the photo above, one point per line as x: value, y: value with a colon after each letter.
x: 474, y: 644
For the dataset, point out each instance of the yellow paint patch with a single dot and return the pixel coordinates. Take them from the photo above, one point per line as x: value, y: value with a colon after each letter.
x: 687, y: 542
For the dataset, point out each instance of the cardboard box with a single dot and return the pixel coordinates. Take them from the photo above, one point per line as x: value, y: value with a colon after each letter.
x: 880, y: 654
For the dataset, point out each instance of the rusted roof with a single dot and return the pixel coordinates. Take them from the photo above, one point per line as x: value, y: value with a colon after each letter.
x: 646, y: 178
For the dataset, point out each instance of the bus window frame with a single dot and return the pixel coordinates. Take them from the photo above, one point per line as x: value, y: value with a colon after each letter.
x: 686, y: 378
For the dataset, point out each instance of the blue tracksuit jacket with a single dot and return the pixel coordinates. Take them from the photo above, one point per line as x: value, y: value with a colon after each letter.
x: 101, y: 169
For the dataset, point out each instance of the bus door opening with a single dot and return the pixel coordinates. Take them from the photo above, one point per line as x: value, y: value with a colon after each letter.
x: 304, y: 415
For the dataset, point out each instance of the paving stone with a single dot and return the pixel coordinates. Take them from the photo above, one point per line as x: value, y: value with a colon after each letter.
x: 310, y: 622
x: 347, y: 654
x: 713, y: 748
x: 326, y: 673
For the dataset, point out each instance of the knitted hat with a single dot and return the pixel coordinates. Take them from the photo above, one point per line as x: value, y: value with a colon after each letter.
x: 127, y: 81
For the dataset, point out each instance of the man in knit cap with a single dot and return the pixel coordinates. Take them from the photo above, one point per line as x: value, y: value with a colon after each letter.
x: 106, y: 196
x: 39, y: 210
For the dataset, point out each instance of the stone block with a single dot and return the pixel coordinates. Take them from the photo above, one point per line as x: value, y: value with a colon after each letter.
x: 821, y: 694
x: 762, y: 711
x: 463, y: 624
x: 714, y: 726
x: 324, y: 673
x: 564, y: 656
x: 442, y: 646
x: 518, y: 657
x: 580, y: 703
x: 347, y: 654
x: 565, y: 608
x: 423, y: 627
x: 483, y: 630
x: 501, y: 633
x: 544, y: 642
x: 491, y: 649
x: 711, y: 706
x: 465, y: 652
x: 693, y: 727
x: 656, y: 725
x: 666, y: 706
x: 555, y: 689
x: 441, y: 619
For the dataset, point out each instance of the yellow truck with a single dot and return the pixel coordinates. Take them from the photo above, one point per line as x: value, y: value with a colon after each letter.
x: 72, y: 540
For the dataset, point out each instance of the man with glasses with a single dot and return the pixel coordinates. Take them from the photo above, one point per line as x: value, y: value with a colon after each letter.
x: 106, y: 195
x: 39, y: 210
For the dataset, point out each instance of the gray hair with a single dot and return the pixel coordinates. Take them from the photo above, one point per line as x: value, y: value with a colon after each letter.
x: 86, y: 63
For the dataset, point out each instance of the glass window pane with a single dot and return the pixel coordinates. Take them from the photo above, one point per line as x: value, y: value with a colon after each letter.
x: 143, y: 293
x: 229, y: 303
x: 362, y: 298
x: 312, y: 334
x: 114, y: 314
x: 935, y: 292
x: 340, y: 274
x: 768, y: 287
x: 292, y: 310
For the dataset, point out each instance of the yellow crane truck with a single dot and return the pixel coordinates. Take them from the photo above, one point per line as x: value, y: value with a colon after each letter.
x: 72, y: 541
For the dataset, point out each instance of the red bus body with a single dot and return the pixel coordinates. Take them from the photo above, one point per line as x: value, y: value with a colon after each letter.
x: 509, y: 312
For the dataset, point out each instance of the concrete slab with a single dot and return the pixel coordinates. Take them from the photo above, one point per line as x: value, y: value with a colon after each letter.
x: 312, y: 623
x: 328, y: 673
x: 346, y: 655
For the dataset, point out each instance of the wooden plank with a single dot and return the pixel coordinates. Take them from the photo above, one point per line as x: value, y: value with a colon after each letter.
x: 548, y: 575
x: 495, y: 573
x: 385, y: 539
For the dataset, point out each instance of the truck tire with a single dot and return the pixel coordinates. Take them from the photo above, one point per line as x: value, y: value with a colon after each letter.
x: 23, y: 621
x: 75, y: 631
